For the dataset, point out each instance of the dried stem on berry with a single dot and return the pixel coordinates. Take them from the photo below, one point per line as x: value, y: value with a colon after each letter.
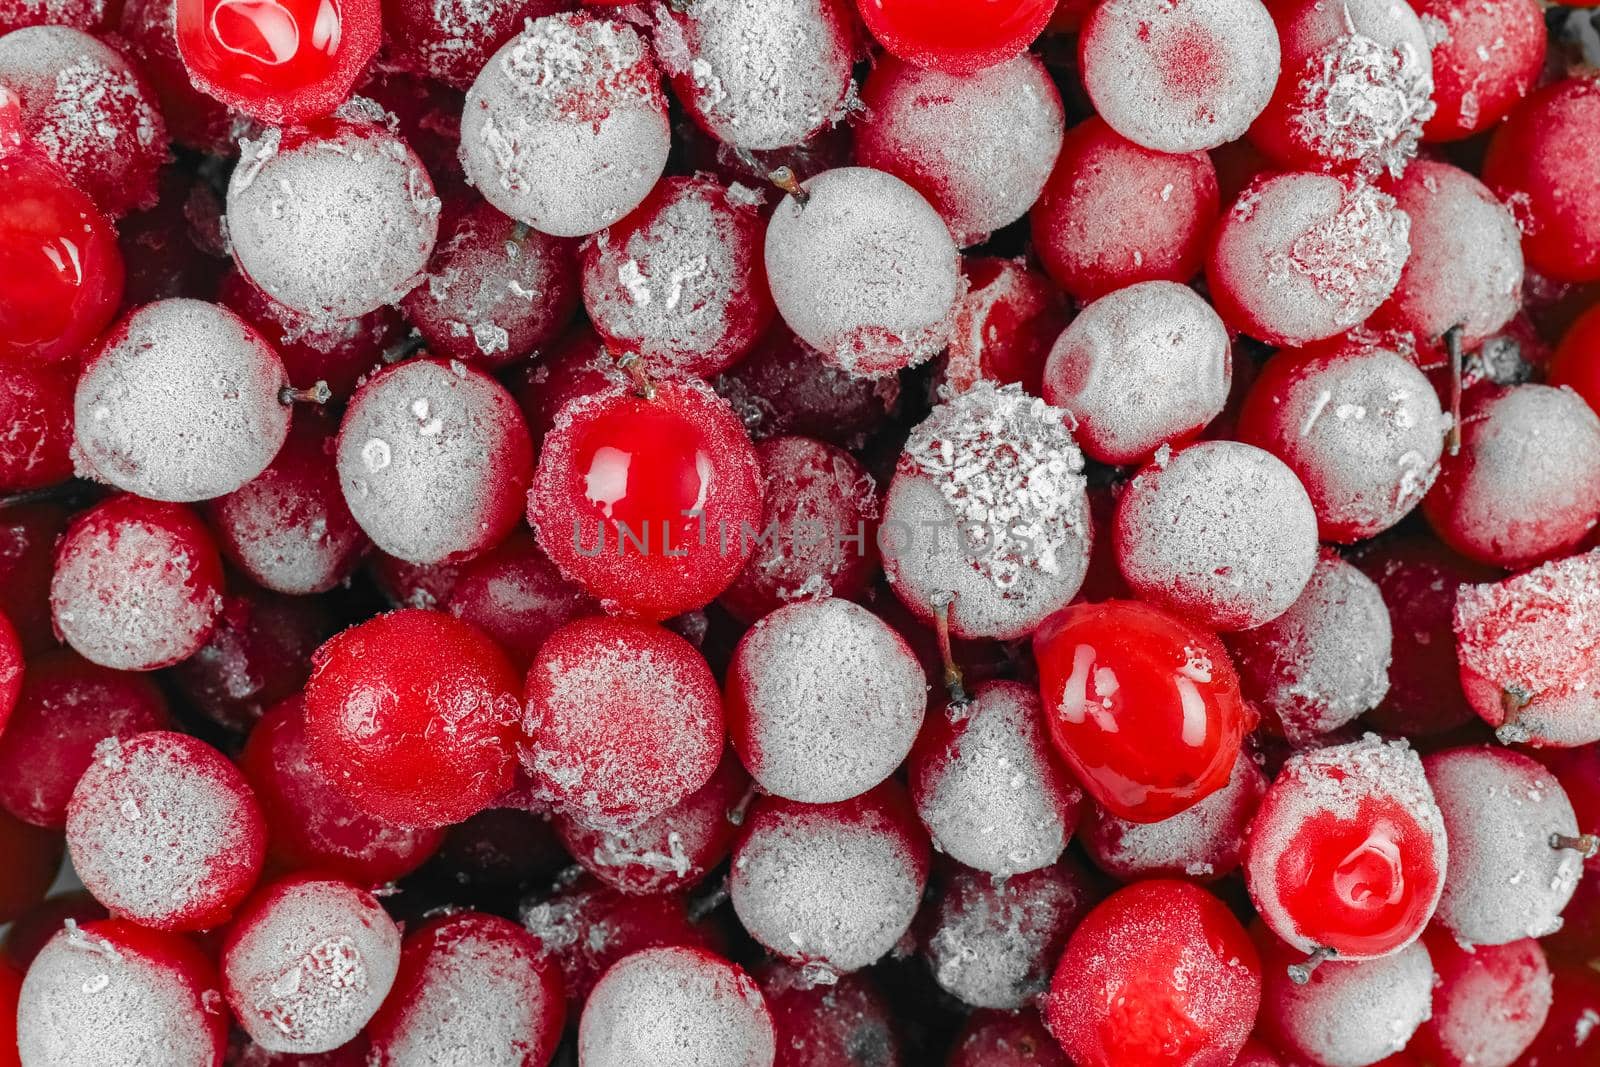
x: 318, y: 394
x: 1300, y: 973
x: 404, y: 348
x: 784, y: 178
x: 1452, y: 344
x: 633, y: 364
x: 953, y: 681
x: 1511, y: 731
x: 1588, y: 844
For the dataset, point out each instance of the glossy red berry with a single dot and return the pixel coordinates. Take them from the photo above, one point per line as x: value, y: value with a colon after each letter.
x: 959, y: 37
x: 281, y: 61
x: 1159, y: 973
x: 413, y: 716
x: 1118, y: 675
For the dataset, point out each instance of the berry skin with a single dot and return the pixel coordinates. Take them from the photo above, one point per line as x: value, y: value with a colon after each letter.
x: 650, y: 503
x: 60, y: 268
x: 195, y: 120
x: 281, y: 63
x: 1006, y: 1039
x: 1487, y: 60
x: 1160, y: 973
x: 830, y: 1025
x: 1489, y: 1004
x: 514, y: 594
x: 787, y: 387
x: 452, y: 41
x: 28, y: 535
x: 956, y: 36
x: 10, y: 670
x: 1005, y: 324
x: 36, y: 416
x: 1576, y: 362
x: 33, y: 858
x: 413, y: 716
x: 1143, y: 706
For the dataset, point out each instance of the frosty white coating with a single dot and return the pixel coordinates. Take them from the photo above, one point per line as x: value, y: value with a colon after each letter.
x: 1355, y: 1014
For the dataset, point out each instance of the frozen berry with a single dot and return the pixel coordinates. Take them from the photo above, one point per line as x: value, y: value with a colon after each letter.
x: 956, y: 36
x: 451, y: 40
x: 986, y: 522
x: 566, y: 127
x: 434, y: 460
x: 649, y: 502
x: 1141, y: 367
x: 979, y: 147
x: 1115, y: 213
x: 1301, y: 257
x: 79, y: 14
x: 165, y: 832
x: 470, y: 981
x: 987, y: 785
x: 1159, y: 972
x: 1006, y: 1039
x: 280, y: 62
x: 180, y: 401
x: 1576, y: 362
x: 623, y: 721
x: 35, y: 426
x: 1569, y: 1030
x: 676, y: 1007
x: 413, y: 716
x: 137, y: 584
x: 863, y: 269
x: 824, y: 700
x: 307, y: 962
x: 849, y: 1023
x: 1142, y: 705
x: 514, y: 594
x: 1486, y: 57
x: 832, y: 886
x: 680, y: 281
x: 1220, y: 531
x: 787, y: 387
x: 1005, y: 324
x: 193, y: 118
x: 1489, y: 1003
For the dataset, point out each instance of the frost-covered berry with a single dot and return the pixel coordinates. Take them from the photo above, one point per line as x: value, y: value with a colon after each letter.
x: 36, y: 411
x: 787, y: 387
x: 113, y: 992
x: 86, y: 15
x: 1009, y: 1038
x: 565, y: 128
x: 1489, y: 1001
x: 1179, y: 77
x: 987, y: 518
x: 834, y: 886
x: 514, y: 594
x: 987, y: 785
x: 1005, y: 324
x: 623, y: 721
x: 1323, y: 662
x: 1360, y: 426
x: 1486, y: 56
x: 89, y: 110
x: 1529, y: 647
x: 307, y: 962
x: 979, y: 147
x: 680, y: 280
x: 1354, y: 90
x: 676, y: 1007
x: 165, y: 831
x: 434, y: 460
x: 863, y: 269
x: 332, y: 221
x: 180, y: 402
x: 1141, y: 367
x: 824, y: 700
x: 1301, y: 257
x: 1220, y: 531
x: 992, y: 943
x: 1525, y: 486
x: 450, y: 41
x: 137, y: 584
x: 759, y: 74
x: 821, y: 1025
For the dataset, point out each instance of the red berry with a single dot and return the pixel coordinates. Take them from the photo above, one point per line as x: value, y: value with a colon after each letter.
x: 310, y: 824
x: 1485, y: 58
x: 28, y: 534
x: 501, y: 849
x: 1006, y: 1039
x: 623, y: 721
x: 36, y: 413
x: 514, y: 594
x: 847, y: 1024
x: 956, y: 36
x: 33, y: 859
x: 165, y: 832
x: 1568, y: 1033
x: 10, y: 670
x: 137, y: 584
x: 470, y: 980
x: 451, y: 41
x: 1576, y: 362
x: 413, y: 716
x: 1005, y: 324
x: 413, y: 585
x: 1143, y: 706
x: 1159, y: 973
x: 576, y: 365
x: 1489, y: 1002
x: 650, y: 503
x: 60, y: 267
x: 282, y: 62
x: 194, y: 119
x: 787, y: 387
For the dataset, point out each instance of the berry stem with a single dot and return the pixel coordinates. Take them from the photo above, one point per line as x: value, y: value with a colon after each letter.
x: 1588, y: 844
x: 1452, y: 344
x: 317, y: 394
x: 953, y: 681
x: 404, y: 349
x: 633, y: 364
x: 1511, y: 730
x: 1300, y: 973
x: 784, y: 178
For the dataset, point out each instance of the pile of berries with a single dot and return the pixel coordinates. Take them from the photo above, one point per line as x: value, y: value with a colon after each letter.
x: 799, y: 533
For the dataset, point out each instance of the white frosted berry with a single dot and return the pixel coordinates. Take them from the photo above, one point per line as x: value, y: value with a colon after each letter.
x: 180, y: 402
x: 864, y: 270
x: 565, y: 128
x: 987, y: 514
x: 1349, y: 1014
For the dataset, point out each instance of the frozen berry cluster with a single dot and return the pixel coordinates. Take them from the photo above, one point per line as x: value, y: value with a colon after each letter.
x: 799, y: 533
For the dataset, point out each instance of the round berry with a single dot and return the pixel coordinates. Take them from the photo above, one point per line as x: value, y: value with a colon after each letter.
x: 833, y: 886
x: 1143, y: 706
x: 434, y: 460
x: 413, y: 715
x: 137, y: 584
x: 28, y: 535
x: 956, y: 36
x: 677, y: 1007
x: 1008, y: 1039
x: 1576, y: 362
x: 623, y: 721
x: 787, y: 387
x: 450, y: 41
x: 1485, y: 56
x: 651, y: 503
x: 36, y: 412
x: 334, y: 220
x: 514, y: 594
x: 307, y: 962
x: 283, y: 62
x: 838, y: 1025
x: 824, y: 701
x: 863, y: 269
x: 565, y: 127
x: 1005, y: 324
x: 1488, y: 1004
x: 1159, y: 972
x: 180, y: 402
x: 165, y: 832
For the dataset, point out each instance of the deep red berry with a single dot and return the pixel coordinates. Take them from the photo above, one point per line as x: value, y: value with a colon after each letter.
x: 194, y: 119
x: 30, y: 932
x: 28, y: 534
x: 10, y: 670
x: 957, y: 36
x: 1005, y: 324
x: 33, y: 858
x: 1576, y: 362
x: 787, y: 387
x: 36, y: 413
x: 514, y: 594
x: 829, y: 1025
x: 1006, y: 1039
